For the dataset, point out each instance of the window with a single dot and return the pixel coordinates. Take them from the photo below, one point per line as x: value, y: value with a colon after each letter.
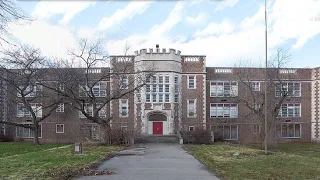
x: 230, y: 132
x: 223, y: 89
x: 98, y: 90
x: 148, y: 79
x: 167, y: 79
x: 176, y: 80
x: 290, y: 110
x: 158, y: 89
x: 59, y: 128
x: 191, y: 107
x: 154, y: 88
x: 160, y: 97
x: 102, y: 111
x: 223, y: 110
x: 176, y: 98
x: 161, y: 88
x: 288, y: 89
x: 95, y: 132
x: 255, y: 86
x: 124, y: 82
x: 124, y: 108
x: 166, y: 98
x: 289, y: 130
x: 154, y: 79
x: 191, y: 81
x: 167, y: 89
x: 223, y: 71
x: 88, y: 108
x: 256, y: 106
x: 147, y: 88
x: 154, y: 97
x: 29, y: 91
x: 288, y: 71
x: 23, y: 132
x: 176, y: 89
x: 160, y: 79
x: 191, y: 128
x: 60, y: 87
x: 60, y: 107
x: 148, y: 97
x: 22, y: 111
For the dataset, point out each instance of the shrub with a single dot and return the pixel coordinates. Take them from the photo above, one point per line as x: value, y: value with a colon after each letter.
x: 197, y: 136
x: 218, y: 134
x: 6, y: 138
x: 119, y: 136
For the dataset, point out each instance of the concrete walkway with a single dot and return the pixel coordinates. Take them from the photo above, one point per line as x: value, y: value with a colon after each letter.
x: 154, y: 162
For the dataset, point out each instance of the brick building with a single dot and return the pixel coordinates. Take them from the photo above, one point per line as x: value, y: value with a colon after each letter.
x: 183, y: 94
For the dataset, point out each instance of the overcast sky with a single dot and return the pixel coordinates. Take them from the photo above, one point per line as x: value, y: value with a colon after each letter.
x: 225, y: 31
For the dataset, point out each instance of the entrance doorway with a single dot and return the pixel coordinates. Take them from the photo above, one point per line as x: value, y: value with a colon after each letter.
x: 157, y: 128
x: 157, y: 123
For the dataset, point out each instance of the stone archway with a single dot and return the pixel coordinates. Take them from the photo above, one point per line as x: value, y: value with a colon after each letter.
x: 156, y: 123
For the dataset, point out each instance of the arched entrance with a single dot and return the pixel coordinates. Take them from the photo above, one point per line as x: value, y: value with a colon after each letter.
x: 156, y: 122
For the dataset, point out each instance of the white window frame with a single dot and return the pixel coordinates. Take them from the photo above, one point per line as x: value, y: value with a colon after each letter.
x: 35, y: 88
x: 103, y: 111
x: 294, y: 131
x: 292, y: 107
x: 148, y: 97
x: 30, y: 131
x: 166, y: 79
x: 216, y: 87
x: 188, y: 108
x: 255, y: 85
x: 124, y: 82
x: 61, y: 87
x: 27, y: 113
x: 99, y: 90
x: 57, y: 132
x: 93, y: 130
x: 224, y: 106
x: 88, y: 108
x: 60, y: 107
x: 285, y: 87
x: 194, y: 82
x: 167, y: 98
x: 230, y: 132
x: 123, y: 105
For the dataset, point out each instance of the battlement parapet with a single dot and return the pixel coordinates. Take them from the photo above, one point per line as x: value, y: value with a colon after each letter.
x: 157, y: 51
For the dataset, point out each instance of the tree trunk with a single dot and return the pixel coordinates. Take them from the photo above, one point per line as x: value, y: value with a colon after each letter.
x: 105, y: 132
x: 36, y: 133
x: 271, y: 138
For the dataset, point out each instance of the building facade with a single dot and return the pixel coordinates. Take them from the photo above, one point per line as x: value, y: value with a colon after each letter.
x: 183, y: 94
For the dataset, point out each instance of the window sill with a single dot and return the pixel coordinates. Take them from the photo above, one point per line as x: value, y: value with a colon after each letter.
x: 290, y: 137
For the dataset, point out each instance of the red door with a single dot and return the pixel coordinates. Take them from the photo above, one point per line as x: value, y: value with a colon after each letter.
x: 157, y: 128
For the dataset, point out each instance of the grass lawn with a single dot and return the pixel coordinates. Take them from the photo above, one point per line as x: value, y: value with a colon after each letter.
x: 50, y: 164
x: 289, y: 161
x: 13, y: 148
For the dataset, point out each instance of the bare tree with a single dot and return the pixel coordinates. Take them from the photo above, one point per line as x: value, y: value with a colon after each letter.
x: 23, y: 75
x: 9, y: 12
x: 254, y: 100
x: 86, y: 86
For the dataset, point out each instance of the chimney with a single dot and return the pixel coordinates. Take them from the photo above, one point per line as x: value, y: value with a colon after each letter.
x: 157, y: 45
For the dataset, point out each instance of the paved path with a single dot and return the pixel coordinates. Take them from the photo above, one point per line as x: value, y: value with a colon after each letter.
x: 154, y: 162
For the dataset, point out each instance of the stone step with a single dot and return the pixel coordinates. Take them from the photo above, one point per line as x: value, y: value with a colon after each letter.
x: 157, y: 139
